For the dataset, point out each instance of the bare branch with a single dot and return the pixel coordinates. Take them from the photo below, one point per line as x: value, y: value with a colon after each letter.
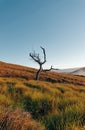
x: 48, y: 69
x: 34, y: 57
x: 44, y: 55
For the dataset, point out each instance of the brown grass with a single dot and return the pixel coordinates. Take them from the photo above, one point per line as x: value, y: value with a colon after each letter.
x: 11, y: 70
x: 17, y: 120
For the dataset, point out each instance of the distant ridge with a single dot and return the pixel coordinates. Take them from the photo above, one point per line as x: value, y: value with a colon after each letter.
x: 80, y: 71
x: 74, y: 71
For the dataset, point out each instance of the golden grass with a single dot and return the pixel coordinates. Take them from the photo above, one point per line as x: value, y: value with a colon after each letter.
x: 57, y: 101
x: 61, y: 103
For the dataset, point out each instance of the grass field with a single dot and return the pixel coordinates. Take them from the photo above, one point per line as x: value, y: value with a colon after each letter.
x: 55, y: 102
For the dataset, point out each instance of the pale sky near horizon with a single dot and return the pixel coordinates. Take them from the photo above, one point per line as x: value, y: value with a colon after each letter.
x: 57, y: 25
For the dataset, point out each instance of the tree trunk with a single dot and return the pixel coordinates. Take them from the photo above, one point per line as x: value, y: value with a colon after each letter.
x: 38, y: 72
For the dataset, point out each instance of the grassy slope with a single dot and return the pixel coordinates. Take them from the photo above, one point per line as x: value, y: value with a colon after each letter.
x: 58, y: 104
x: 11, y: 70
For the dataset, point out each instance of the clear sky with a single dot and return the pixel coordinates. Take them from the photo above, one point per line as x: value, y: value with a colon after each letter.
x: 57, y: 25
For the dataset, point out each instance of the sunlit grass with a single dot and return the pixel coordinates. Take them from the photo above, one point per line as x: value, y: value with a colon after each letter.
x: 58, y: 106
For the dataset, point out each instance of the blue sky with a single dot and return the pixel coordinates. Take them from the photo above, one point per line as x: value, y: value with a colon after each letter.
x: 57, y: 25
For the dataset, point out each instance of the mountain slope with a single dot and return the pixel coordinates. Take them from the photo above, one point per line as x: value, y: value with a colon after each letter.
x: 18, y: 71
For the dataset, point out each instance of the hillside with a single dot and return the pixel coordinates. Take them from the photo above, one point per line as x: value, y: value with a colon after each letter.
x: 57, y: 102
x: 11, y: 70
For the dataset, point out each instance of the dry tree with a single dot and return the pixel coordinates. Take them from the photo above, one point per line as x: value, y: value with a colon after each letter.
x: 36, y: 58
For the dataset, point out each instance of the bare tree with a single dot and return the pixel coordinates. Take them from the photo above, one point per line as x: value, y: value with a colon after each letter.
x: 36, y: 58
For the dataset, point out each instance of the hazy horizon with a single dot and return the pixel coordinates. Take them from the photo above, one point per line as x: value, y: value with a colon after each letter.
x: 58, y: 26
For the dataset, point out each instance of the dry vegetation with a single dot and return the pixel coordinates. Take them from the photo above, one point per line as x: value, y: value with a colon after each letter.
x: 11, y: 70
x: 17, y: 119
x: 57, y: 102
